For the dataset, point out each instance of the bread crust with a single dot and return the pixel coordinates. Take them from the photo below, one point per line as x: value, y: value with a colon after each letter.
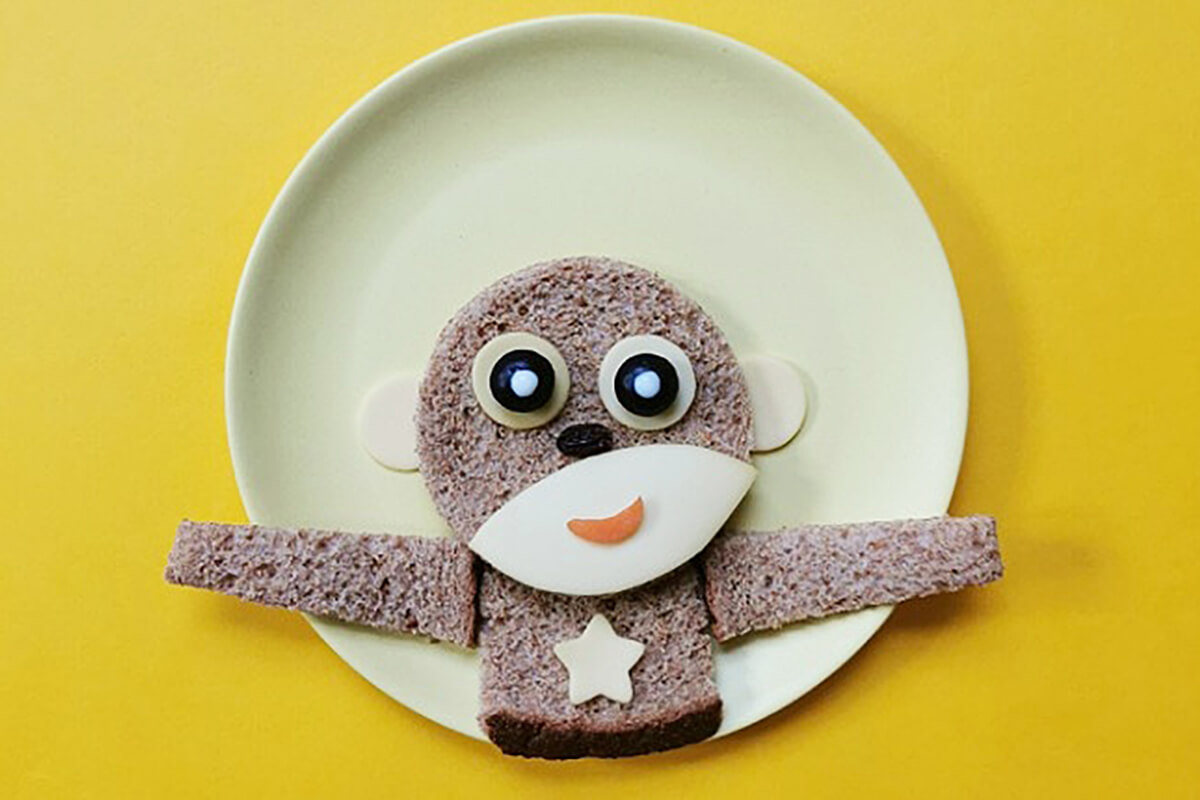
x: 538, y: 738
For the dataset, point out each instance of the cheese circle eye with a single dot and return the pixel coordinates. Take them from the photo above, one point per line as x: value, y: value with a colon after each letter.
x: 647, y: 382
x: 520, y: 380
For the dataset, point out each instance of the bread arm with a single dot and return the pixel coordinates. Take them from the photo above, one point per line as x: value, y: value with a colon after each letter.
x: 759, y: 581
x: 410, y: 584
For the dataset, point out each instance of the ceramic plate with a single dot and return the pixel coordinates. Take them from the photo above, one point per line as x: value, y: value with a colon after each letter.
x: 657, y: 143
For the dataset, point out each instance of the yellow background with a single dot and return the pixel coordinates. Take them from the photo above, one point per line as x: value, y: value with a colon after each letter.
x: 1056, y: 148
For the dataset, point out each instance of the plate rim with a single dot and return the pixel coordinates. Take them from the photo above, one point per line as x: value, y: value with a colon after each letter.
x: 255, y: 267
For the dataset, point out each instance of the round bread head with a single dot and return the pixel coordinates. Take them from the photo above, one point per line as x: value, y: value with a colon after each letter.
x: 562, y: 368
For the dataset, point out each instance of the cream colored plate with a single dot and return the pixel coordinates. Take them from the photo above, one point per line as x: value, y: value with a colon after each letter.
x: 653, y: 142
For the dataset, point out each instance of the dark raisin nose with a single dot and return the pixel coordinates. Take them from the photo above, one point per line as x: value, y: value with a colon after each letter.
x: 581, y: 441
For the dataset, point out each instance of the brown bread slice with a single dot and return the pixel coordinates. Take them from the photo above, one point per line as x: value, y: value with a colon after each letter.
x: 526, y: 710
x: 409, y: 584
x: 760, y: 581
x: 583, y: 306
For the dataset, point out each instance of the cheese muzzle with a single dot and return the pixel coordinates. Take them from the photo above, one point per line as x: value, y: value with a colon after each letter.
x: 687, y: 493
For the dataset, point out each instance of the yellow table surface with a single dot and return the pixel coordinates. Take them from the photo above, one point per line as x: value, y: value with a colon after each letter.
x: 1057, y: 148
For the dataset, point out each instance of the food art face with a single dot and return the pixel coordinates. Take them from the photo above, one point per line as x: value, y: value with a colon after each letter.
x: 585, y: 429
x: 586, y: 432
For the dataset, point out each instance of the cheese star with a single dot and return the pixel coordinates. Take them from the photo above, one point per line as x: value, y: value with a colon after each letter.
x: 599, y: 661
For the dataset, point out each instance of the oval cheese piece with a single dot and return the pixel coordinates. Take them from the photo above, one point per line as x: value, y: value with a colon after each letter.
x: 687, y: 494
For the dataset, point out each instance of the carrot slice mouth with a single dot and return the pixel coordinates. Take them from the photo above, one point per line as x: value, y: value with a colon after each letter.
x: 610, y: 530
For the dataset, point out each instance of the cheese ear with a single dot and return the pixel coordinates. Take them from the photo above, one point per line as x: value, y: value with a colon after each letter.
x: 777, y: 398
x: 387, y: 422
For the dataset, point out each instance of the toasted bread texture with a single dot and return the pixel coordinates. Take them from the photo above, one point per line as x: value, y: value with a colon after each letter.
x: 406, y: 584
x: 525, y: 707
x: 761, y: 581
x: 583, y: 306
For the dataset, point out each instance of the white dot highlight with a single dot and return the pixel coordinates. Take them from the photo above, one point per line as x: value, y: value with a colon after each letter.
x: 523, y: 382
x: 647, y: 384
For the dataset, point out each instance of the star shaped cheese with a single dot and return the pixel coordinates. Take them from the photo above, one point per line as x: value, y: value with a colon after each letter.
x: 599, y: 661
